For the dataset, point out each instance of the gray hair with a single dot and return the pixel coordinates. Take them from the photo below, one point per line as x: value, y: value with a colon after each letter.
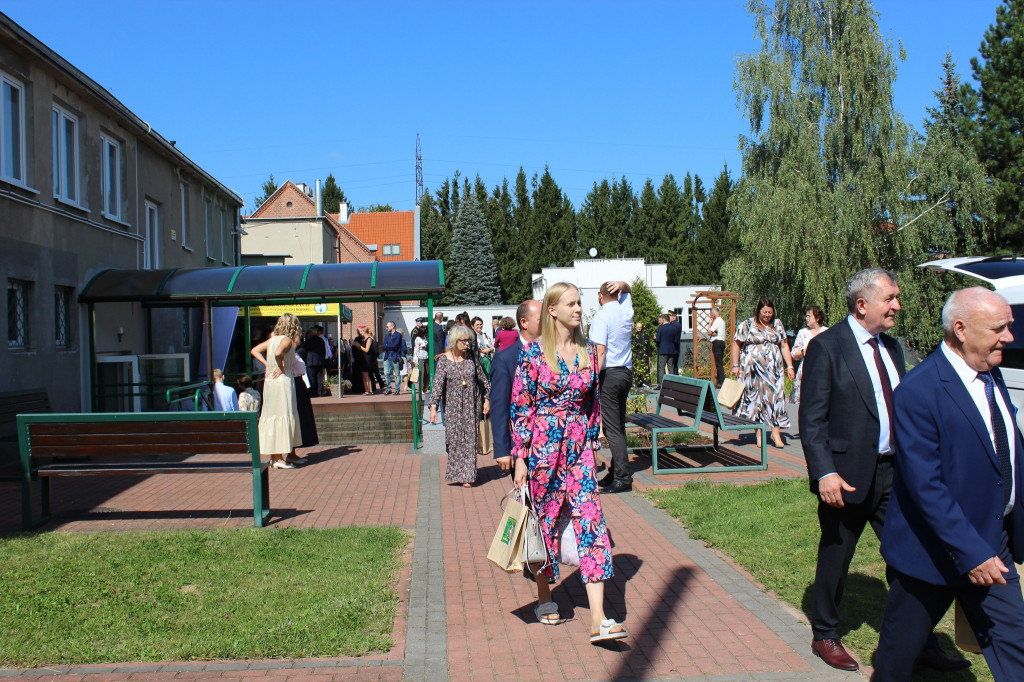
x: 864, y: 281
x: 716, y: 310
x: 962, y: 303
x: 460, y: 332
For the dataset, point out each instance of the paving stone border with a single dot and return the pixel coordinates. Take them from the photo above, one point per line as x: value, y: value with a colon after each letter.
x: 426, y: 639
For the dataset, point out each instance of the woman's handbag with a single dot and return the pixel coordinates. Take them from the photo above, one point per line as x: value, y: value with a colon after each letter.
x: 414, y: 374
x: 569, y: 550
x: 535, y: 550
x: 506, y: 547
x: 730, y: 393
x: 485, y: 438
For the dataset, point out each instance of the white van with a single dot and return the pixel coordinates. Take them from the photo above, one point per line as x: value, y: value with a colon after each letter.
x: 1006, y: 275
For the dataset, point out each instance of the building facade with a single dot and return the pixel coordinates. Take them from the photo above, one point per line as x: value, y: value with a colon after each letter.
x: 86, y: 185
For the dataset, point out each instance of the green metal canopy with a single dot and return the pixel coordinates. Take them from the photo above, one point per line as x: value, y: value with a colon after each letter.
x: 246, y: 285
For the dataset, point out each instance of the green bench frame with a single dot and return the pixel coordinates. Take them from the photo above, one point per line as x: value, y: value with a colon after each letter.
x: 143, y: 443
x: 690, y: 398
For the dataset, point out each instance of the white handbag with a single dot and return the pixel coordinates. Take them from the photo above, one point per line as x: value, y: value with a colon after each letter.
x: 535, y: 550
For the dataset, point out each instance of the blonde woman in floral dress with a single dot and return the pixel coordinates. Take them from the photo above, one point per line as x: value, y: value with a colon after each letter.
x: 556, y: 420
x: 760, y: 356
x: 460, y: 381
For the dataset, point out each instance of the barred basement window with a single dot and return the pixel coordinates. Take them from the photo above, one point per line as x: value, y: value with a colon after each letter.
x: 62, y: 317
x: 17, y: 313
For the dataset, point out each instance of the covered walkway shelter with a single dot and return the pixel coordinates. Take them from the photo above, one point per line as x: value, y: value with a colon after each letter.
x: 248, y: 286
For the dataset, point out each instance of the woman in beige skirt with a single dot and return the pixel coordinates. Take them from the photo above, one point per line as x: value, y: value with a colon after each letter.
x: 279, y: 421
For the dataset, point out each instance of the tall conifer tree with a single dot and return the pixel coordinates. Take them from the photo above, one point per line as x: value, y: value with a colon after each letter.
x: 476, y: 279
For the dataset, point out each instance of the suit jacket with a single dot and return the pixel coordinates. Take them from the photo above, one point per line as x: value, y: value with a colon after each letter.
x: 438, y: 333
x: 839, y: 423
x: 316, y: 351
x: 503, y: 370
x: 945, y: 516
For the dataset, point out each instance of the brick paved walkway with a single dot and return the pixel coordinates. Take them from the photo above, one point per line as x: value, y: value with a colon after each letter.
x: 689, y: 614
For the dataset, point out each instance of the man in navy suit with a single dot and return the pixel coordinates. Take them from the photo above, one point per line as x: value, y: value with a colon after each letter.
x: 503, y: 370
x: 955, y: 525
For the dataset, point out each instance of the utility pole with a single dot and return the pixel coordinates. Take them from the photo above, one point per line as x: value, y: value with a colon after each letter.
x: 419, y: 170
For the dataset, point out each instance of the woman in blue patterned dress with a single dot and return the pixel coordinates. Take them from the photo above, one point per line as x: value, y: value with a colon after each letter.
x: 555, y: 425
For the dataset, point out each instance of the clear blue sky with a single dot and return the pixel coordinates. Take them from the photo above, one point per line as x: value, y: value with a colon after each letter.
x: 592, y: 89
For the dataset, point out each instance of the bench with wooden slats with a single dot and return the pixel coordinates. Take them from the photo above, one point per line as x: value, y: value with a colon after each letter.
x: 124, y: 444
x: 690, y: 398
x: 13, y: 403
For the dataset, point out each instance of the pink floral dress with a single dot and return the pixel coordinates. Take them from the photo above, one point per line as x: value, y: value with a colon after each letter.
x: 556, y: 421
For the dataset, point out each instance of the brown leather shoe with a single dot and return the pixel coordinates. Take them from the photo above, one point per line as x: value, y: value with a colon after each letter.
x: 832, y: 652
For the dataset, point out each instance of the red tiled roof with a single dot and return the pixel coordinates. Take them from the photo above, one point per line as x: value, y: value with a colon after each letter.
x: 386, y: 227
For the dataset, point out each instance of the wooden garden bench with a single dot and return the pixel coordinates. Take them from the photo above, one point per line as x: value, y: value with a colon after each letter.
x: 131, y: 444
x: 695, y: 399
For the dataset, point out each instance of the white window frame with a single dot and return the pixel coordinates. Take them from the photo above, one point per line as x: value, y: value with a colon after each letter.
x: 208, y: 212
x: 392, y: 250
x: 151, y: 247
x: 65, y: 189
x: 21, y: 133
x: 184, y: 215
x: 117, y: 191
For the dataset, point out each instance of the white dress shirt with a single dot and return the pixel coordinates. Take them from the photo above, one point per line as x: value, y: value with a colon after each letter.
x: 612, y: 327
x: 868, y: 353
x: 976, y: 388
x: 717, y: 331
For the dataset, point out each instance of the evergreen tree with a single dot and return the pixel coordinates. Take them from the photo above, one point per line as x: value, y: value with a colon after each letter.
x: 1001, y: 119
x: 331, y: 196
x: 377, y: 208
x: 826, y: 160
x: 475, y: 280
x: 623, y: 203
x: 646, y: 309
x: 718, y: 238
x: 520, y: 260
x: 506, y: 250
x: 644, y: 233
x: 436, y: 239
x: 593, y: 217
x: 667, y: 247
x: 552, y: 225
x: 268, y: 187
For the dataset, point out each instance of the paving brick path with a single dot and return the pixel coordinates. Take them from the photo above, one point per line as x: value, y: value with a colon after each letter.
x: 689, y: 614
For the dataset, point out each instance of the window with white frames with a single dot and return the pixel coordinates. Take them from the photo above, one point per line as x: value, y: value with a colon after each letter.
x: 209, y: 221
x: 65, y: 154
x: 12, y: 129
x: 184, y: 215
x: 112, y: 189
x: 152, y: 245
x: 392, y: 249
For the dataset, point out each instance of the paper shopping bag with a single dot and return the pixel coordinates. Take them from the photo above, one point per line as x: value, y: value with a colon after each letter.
x: 506, y: 547
x: 730, y: 393
x: 485, y: 438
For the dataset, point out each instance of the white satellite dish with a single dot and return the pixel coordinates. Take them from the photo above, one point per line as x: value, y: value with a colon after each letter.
x: 592, y: 252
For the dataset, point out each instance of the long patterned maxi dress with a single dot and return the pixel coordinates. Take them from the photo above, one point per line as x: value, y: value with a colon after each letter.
x: 556, y: 420
x: 463, y: 386
x: 762, y: 369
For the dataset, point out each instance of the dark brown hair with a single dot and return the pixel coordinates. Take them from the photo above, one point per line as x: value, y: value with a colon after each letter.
x: 817, y: 312
x: 764, y: 303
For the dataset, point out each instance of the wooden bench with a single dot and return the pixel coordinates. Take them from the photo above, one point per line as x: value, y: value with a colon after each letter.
x: 695, y: 399
x: 123, y: 444
x: 13, y: 403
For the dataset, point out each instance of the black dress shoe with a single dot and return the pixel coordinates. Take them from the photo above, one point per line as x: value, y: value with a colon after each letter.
x: 936, y: 659
x: 617, y: 487
x: 606, y: 481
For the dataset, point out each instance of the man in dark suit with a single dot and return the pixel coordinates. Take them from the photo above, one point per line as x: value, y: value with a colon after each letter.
x: 955, y: 525
x: 438, y: 333
x: 849, y: 374
x: 503, y: 370
x: 316, y: 354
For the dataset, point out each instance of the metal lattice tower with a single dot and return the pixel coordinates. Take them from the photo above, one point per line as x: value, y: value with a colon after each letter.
x: 419, y: 170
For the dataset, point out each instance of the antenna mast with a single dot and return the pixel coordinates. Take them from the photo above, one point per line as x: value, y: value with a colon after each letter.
x: 419, y: 170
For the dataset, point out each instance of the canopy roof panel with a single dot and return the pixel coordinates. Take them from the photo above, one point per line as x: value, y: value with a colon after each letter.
x: 394, y: 280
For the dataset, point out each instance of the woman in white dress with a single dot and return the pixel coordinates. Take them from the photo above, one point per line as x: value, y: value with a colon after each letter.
x: 279, y: 421
x: 815, y: 317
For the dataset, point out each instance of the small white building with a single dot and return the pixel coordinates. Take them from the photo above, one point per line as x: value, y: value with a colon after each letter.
x: 588, y: 275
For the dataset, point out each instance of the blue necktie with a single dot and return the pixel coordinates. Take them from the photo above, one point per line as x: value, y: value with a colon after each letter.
x: 999, y: 430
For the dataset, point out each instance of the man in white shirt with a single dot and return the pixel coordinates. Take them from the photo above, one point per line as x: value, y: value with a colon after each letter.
x: 955, y: 525
x: 225, y: 399
x: 612, y: 331
x: 716, y: 334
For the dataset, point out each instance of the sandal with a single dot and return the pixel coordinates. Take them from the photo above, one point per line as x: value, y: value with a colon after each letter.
x: 545, y: 611
x: 607, y: 633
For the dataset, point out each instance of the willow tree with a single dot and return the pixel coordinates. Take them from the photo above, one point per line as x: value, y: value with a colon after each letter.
x: 825, y: 162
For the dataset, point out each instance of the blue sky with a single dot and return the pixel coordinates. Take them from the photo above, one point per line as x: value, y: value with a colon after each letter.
x: 591, y: 89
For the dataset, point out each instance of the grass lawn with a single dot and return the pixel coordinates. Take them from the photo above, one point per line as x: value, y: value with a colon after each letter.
x: 771, y: 529
x: 197, y: 595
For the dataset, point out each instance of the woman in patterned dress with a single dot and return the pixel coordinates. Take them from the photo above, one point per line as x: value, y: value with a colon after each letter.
x: 556, y: 420
x: 462, y: 384
x: 815, y: 318
x: 760, y: 354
